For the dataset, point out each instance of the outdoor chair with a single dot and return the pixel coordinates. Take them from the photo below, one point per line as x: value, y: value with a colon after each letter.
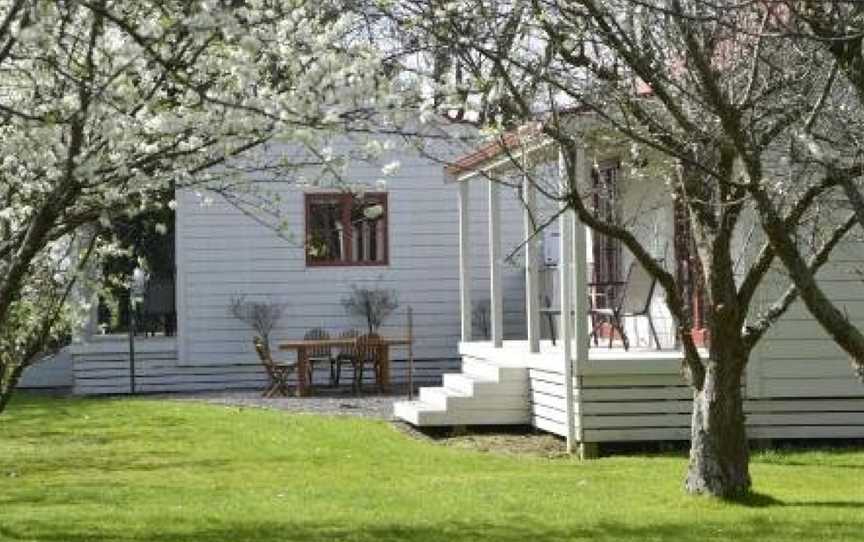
x: 632, y: 300
x: 318, y: 355
x: 550, y: 313
x: 277, y: 372
x: 367, y: 351
x: 347, y: 356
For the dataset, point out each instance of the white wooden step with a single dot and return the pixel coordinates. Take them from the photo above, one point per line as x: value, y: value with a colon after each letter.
x: 485, y: 370
x: 469, y: 385
x: 433, y: 418
x: 481, y: 387
x: 451, y: 400
x: 483, y: 394
x: 423, y: 414
x: 441, y: 397
x: 412, y: 411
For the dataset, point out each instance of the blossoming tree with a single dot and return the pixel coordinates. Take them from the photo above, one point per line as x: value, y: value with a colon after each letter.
x: 739, y: 99
x: 103, y: 103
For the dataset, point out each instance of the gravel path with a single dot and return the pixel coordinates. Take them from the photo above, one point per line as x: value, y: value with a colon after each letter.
x: 367, y: 406
x: 509, y: 440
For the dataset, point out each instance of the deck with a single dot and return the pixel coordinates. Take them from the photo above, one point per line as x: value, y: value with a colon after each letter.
x: 600, y: 359
x: 635, y: 395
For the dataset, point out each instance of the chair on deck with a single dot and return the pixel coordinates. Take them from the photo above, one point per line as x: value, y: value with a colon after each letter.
x: 318, y: 354
x: 277, y: 372
x: 347, y: 355
x: 633, y: 300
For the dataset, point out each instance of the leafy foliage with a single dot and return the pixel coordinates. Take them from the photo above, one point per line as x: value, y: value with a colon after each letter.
x: 105, y: 105
x: 743, y: 116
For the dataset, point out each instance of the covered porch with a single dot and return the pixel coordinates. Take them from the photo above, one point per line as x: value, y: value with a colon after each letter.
x: 608, y: 373
x: 522, y: 381
x: 592, y: 394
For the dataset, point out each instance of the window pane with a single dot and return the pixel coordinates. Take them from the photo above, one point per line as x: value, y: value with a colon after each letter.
x: 607, y: 251
x: 345, y: 229
x: 367, y: 226
x: 325, y: 231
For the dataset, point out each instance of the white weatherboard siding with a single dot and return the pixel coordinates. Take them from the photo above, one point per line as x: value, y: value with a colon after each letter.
x: 223, y: 253
x: 52, y: 372
x: 620, y: 396
x: 797, y: 358
x: 799, y: 384
x: 102, y: 367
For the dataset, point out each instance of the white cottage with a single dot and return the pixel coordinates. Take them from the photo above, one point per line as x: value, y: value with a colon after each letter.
x: 798, y: 384
x: 222, y: 251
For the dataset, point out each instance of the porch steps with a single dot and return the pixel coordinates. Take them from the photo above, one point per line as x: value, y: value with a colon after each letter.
x: 484, y: 393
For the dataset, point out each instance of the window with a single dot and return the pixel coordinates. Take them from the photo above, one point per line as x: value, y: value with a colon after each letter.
x: 346, y: 229
x: 606, y: 251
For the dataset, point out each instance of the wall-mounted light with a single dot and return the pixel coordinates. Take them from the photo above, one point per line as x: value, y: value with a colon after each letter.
x: 373, y: 212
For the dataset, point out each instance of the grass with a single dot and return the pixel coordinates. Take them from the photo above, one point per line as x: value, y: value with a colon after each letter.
x: 96, y: 470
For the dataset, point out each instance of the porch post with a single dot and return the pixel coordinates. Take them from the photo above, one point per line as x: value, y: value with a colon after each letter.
x: 496, y: 308
x: 580, y: 274
x: 464, y: 260
x: 532, y: 291
x: 580, y: 301
x: 565, y: 228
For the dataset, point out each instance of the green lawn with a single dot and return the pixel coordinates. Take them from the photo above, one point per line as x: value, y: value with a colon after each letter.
x: 97, y: 470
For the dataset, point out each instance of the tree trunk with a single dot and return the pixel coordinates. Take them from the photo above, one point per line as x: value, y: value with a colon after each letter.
x: 719, y: 453
x: 5, y: 395
x: 8, y: 382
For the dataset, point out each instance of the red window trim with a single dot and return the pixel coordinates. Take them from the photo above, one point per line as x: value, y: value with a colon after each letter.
x: 344, y: 201
x: 607, y: 252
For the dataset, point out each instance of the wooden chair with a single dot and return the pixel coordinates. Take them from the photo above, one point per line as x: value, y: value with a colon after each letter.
x: 367, y: 351
x: 277, y: 373
x: 318, y: 354
x: 633, y: 300
x: 347, y: 355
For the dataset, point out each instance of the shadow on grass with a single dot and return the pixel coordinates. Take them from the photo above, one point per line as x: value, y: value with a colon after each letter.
x: 138, y: 462
x: 746, y: 529
x: 761, y: 500
x: 794, y: 463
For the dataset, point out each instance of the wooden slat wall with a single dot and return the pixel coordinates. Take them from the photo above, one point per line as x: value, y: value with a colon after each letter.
x: 657, y: 407
x: 107, y: 372
x: 799, y: 383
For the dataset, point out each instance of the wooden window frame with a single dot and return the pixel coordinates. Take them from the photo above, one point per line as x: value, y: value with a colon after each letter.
x: 344, y: 200
x: 608, y: 253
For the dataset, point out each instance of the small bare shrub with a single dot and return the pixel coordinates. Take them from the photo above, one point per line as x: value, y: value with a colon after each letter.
x: 373, y: 305
x: 261, y: 316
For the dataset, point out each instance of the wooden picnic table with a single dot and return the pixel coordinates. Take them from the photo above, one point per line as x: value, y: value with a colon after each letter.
x: 302, y: 347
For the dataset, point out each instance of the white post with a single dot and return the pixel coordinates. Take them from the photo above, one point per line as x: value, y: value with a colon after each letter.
x: 580, y: 289
x: 496, y: 307
x: 565, y: 227
x: 465, y: 260
x: 532, y: 290
x: 580, y: 272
